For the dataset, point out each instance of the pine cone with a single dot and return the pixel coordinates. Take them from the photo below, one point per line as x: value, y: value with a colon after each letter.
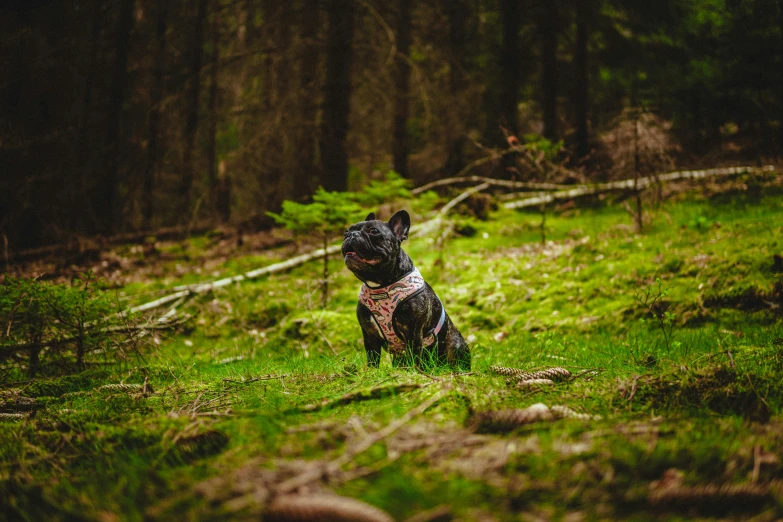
x: 507, y: 420
x: 710, y: 495
x: 564, y: 412
x: 121, y: 387
x: 301, y: 508
x: 535, y: 383
x: 553, y: 374
x: 508, y: 372
x: 17, y: 403
x: 13, y: 416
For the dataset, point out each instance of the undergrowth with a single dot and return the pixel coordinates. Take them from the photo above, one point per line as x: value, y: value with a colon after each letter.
x: 675, y: 335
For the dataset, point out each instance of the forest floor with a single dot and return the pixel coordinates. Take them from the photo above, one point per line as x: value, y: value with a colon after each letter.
x: 680, y: 329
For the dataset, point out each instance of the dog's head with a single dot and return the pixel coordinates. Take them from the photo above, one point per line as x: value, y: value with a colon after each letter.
x: 371, y: 247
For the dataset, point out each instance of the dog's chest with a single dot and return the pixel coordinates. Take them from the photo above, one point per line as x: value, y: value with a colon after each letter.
x: 383, y: 302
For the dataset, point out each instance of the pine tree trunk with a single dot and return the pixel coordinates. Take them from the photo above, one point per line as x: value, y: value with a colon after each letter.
x: 780, y: 87
x: 214, y: 183
x: 156, y: 99
x: 637, y: 189
x: 193, y: 100
x: 456, y: 12
x: 82, y: 147
x: 549, y: 69
x: 337, y: 95
x: 304, y: 176
x: 325, y: 287
x: 510, y: 65
x: 400, y: 145
x: 106, y: 197
x: 581, y: 78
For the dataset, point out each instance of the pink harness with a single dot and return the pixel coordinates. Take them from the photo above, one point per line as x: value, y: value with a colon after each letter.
x: 382, y: 302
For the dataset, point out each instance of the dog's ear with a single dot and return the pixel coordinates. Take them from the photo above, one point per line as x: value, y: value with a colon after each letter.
x: 400, y: 223
x: 370, y: 217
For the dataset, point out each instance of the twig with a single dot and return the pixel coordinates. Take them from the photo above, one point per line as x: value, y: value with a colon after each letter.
x: 731, y: 360
x: 268, y: 377
x: 634, y: 387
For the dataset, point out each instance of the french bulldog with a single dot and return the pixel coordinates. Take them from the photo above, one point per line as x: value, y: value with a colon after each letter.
x: 397, y: 309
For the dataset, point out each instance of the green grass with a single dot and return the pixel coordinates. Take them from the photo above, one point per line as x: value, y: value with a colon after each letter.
x: 700, y: 397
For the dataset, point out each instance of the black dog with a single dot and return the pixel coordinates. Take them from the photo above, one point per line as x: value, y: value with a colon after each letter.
x: 396, y: 307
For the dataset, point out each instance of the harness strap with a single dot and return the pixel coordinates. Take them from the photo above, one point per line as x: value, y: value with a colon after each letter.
x: 430, y: 339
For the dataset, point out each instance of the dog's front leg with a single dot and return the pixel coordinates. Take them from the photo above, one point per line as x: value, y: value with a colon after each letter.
x: 372, y: 345
x: 373, y: 339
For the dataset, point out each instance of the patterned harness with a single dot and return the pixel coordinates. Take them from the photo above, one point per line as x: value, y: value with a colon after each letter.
x: 382, y: 302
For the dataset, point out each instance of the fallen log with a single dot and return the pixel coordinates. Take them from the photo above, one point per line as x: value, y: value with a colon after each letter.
x: 628, y: 184
x: 518, y: 185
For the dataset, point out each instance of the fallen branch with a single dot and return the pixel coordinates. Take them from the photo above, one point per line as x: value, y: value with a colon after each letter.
x: 379, y: 392
x: 518, y: 185
x: 462, y: 197
x: 628, y: 184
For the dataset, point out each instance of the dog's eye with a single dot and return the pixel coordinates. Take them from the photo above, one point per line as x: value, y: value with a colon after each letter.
x: 374, y: 231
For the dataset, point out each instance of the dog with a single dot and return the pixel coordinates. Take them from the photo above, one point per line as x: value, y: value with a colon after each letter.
x: 397, y: 309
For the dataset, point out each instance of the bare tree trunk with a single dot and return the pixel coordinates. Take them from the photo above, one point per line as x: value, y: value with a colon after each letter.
x: 637, y: 189
x: 456, y: 11
x: 308, y: 67
x: 581, y: 79
x: 325, y: 287
x: 82, y: 148
x: 153, y: 154
x: 251, y: 30
x: 214, y: 183
x: 337, y: 95
x: 193, y: 97
x: 510, y: 65
x: 549, y: 69
x: 281, y: 83
x: 105, y: 198
x: 400, y: 144
x: 780, y: 87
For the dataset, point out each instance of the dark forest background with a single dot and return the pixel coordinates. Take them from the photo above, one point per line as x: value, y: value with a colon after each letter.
x: 132, y: 115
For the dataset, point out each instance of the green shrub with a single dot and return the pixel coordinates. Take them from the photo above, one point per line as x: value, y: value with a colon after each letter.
x: 61, y: 323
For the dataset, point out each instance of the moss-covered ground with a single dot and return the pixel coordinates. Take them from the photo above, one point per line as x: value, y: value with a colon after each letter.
x: 683, y: 325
